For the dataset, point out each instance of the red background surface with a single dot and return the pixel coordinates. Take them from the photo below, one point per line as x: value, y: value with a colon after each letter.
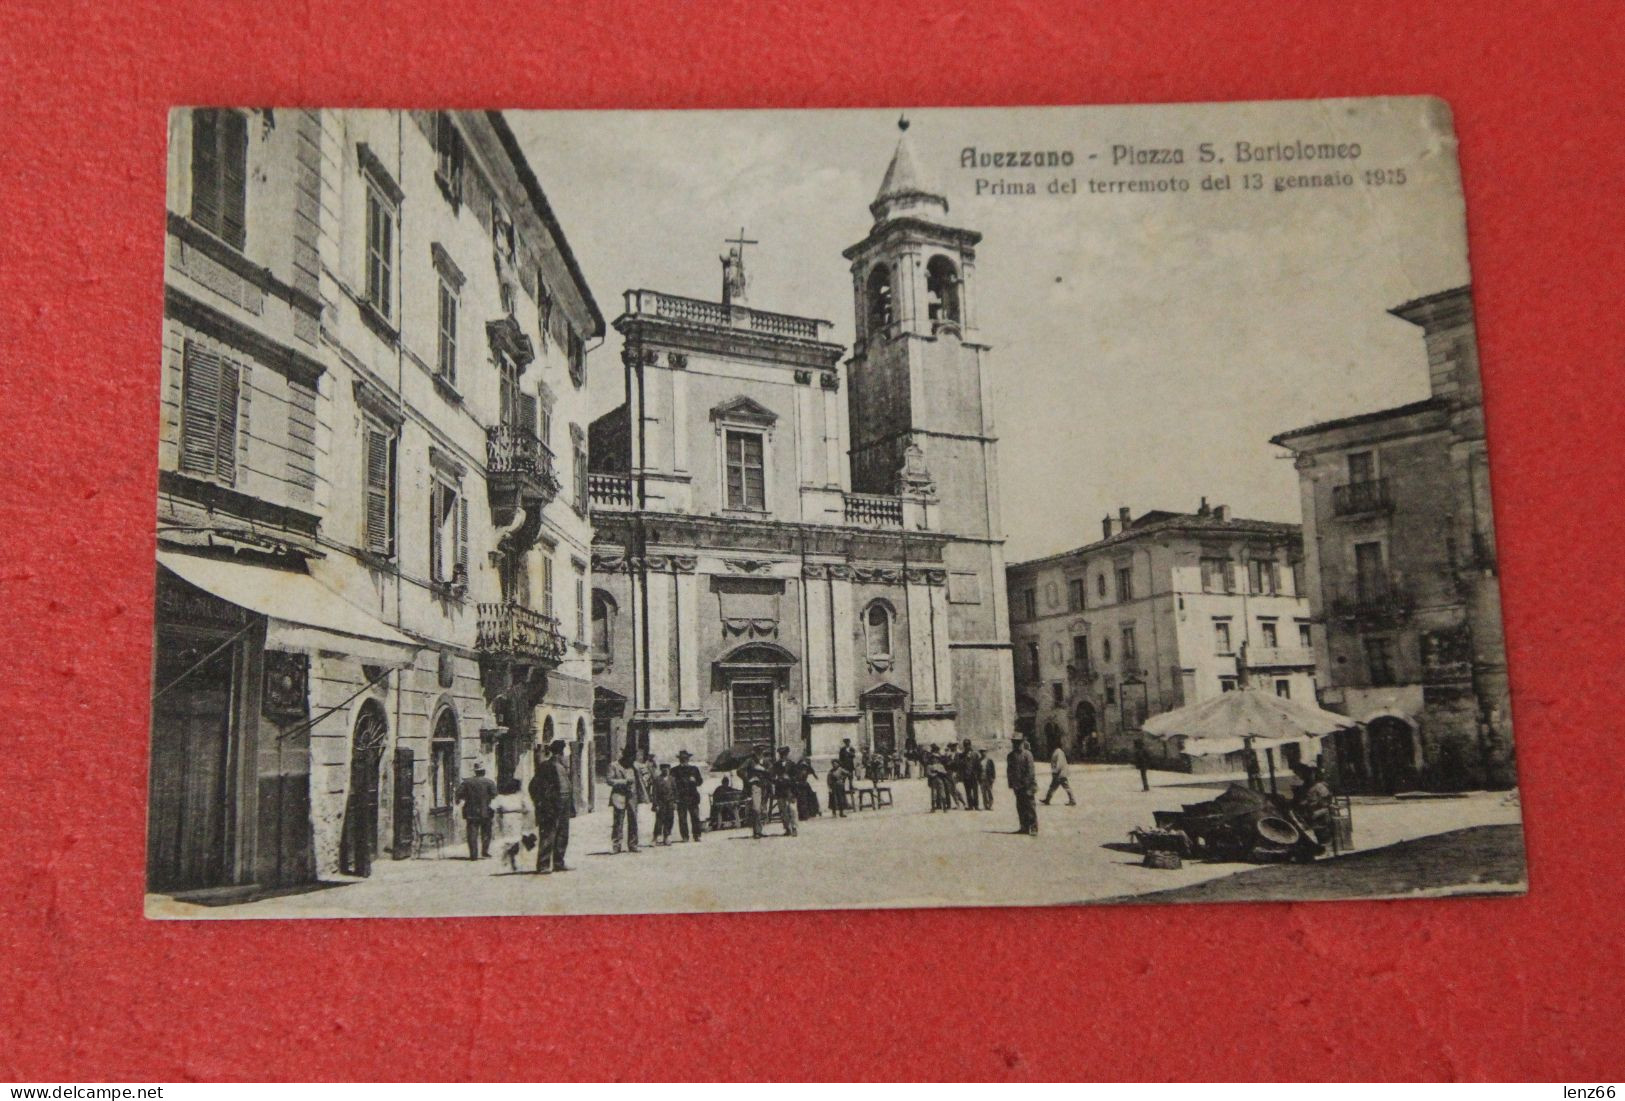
x: 1451, y: 989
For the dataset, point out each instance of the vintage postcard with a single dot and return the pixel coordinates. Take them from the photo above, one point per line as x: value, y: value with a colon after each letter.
x: 620, y: 512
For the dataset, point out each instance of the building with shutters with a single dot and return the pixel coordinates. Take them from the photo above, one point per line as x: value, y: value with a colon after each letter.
x: 1164, y: 610
x: 794, y: 547
x: 373, y: 538
x: 1400, y: 546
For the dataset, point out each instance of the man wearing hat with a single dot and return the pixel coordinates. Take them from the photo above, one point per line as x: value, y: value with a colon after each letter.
x: 1022, y: 777
x: 688, y: 780
x: 476, y: 795
x: 784, y: 787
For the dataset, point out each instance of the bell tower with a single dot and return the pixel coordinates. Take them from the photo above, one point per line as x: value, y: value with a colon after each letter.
x: 920, y: 413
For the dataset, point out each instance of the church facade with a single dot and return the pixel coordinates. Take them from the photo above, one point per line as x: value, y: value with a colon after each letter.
x: 794, y: 547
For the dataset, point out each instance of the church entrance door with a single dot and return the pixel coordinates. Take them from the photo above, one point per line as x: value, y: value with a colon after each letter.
x: 753, y: 714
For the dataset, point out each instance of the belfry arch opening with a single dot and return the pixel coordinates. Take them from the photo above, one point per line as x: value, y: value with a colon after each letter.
x: 882, y: 309
x: 942, y: 290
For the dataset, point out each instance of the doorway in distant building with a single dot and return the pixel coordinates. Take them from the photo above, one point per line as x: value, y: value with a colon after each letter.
x: 884, y: 704
x: 1392, y: 744
x: 752, y: 713
x: 1052, y: 736
x: 359, y: 842
x: 1088, y: 731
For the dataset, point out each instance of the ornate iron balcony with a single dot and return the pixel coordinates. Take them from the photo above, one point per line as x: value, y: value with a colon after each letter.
x: 1358, y: 498
x: 513, y: 632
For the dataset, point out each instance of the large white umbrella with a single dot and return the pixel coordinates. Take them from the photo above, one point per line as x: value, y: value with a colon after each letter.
x: 1225, y: 723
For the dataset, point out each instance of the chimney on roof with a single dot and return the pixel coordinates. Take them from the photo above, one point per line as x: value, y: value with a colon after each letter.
x: 1111, y: 526
x: 1203, y: 509
x: 1123, y: 518
x: 1106, y: 526
x: 1222, y: 514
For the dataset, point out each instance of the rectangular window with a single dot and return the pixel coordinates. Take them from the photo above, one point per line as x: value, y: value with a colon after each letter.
x: 1125, y: 583
x: 1109, y: 687
x: 1379, y: 659
x: 1283, y: 688
x: 581, y: 605
x: 378, y: 480
x: 1362, y: 467
x: 1369, y: 578
x: 1080, y: 654
x: 380, y: 250
x: 1304, y: 637
x: 502, y: 236
x: 578, y: 358
x: 210, y: 389
x: 1057, y: 694
x: 1029, y: 604
x: 1261, y: 576
x: 220, y: 173
x: 1215, y: 571
x: 1266, y: 628
x: 1032, y: 661
x: 1221, y: 636
x: 1074, y: 594
x: 446, y: 358
x: 448, y: 147
x: 1130, y: 650
x: 1227, y: 684
x: 448, y: 535
x: 747, y: 477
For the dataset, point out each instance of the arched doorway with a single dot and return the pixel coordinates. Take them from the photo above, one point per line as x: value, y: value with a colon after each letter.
x: 359, y: 843
x: 1392, y: 746
x: 1088, y: 730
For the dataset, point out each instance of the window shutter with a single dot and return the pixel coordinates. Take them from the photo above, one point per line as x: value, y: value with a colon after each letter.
x: 436, y: 533
x: 462, y: 536
x: 233, y: 176
x: 226, y: 440
x: 379, y: 456
x: 527, y: 413
x: 206, y: 169
x: 200, y: 402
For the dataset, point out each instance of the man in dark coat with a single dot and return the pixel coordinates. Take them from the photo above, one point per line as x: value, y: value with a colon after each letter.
x: 544, y: 795
x: 987, y: 773
x: 566, y: 804
x: 663, y: 794
x: 687, y: 779
x: 1022, y: 777
x: 970, y: 769
x: 476, y: 795
x: 785, y: 778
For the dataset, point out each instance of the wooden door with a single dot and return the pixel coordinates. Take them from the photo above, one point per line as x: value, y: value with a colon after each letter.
x: 360, y: 837
x: 883, y: 725
x: 754, y: 720
x: 189, y: 791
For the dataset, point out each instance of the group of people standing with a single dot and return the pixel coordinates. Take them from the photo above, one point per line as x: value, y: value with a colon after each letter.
x: 672, y: 792
x: 959, y: 776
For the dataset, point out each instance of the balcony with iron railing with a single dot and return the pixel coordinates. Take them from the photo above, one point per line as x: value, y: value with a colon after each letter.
x: 1362, y: 498
x: 519, y: 471
x: 873, y: 510
x: 1376, y: 600
x: 514, y: 633
x: 1280, y: 657
x: 697, y: 311
x: 610, y: 490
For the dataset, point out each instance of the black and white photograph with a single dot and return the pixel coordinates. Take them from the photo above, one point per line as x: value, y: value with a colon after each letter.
x: 584, y: 512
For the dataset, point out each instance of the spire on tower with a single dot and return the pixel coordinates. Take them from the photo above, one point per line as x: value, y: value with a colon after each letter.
x: 906, y: 188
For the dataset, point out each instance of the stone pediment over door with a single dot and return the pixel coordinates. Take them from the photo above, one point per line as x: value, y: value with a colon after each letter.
x: 883, y: 697
x: 743, y: 410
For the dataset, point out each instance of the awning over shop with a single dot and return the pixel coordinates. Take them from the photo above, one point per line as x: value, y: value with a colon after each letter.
x: 302, y: 613
x: 1224, y: 723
